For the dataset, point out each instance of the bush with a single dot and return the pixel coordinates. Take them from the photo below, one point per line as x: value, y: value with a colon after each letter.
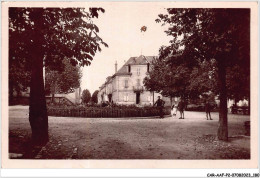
x: 19, y: 101
x: 105, y: 112
x: 201, y: 108
x: 193, y: 107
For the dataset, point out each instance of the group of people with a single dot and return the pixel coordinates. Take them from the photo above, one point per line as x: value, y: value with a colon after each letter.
x: 180, y: 107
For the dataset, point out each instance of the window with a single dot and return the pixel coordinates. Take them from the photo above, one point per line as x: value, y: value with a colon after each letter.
x: 126, y: 97
x: 138, y: 71
x: 129, y: 68
x: 126, y: 83
x: 148, y: 67
x: 138, y: 82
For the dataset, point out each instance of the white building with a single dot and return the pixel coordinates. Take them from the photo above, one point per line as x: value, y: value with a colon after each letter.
x: 126, y: 85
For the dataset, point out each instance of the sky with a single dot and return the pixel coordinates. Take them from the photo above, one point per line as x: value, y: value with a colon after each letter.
x: 120, y: 28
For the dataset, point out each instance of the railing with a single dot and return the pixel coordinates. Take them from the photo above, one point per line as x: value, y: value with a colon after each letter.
x: 138, y: 88
x: 240, y: 109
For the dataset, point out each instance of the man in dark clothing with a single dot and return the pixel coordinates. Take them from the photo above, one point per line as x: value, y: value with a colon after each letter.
x: 181, y: 107
x: 160, y: 103
x: 207, y: 109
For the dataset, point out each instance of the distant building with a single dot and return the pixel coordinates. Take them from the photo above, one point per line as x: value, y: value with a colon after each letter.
x: 23, y: 96
x: 70, y: 98
x: 126, y: 85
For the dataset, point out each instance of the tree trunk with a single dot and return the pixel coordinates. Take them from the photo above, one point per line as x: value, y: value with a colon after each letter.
x: 11, y: 93
x: 249, y: 105
x: 38, y: 111
x: 223, y: 124
x: 52, y: 98
x: 153, y: 97
x: 18, y: 91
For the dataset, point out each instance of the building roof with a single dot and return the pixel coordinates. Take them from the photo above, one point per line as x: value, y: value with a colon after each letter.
x: 109, y: 79
x: 141, y: 60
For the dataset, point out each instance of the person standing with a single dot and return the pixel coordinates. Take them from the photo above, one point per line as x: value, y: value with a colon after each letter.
x: 181, y: 107
x: 174, y: 110
x: 160, y: 103
x: 207, y: 109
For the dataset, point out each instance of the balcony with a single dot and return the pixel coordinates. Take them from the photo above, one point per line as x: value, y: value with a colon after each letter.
x: 138, y: 89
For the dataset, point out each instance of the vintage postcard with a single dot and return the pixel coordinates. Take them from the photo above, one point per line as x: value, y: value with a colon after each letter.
x: 130, y: 85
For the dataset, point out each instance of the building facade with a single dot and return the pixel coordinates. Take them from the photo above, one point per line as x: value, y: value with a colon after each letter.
x: 126, y: 85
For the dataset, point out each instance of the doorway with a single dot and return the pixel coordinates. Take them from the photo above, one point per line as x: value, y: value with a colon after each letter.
x: 110, y: 97
x: 138, y: 98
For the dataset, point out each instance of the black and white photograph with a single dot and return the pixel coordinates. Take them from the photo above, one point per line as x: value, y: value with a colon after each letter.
x: 130, y: 81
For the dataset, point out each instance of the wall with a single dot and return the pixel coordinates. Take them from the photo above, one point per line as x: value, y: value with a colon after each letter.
x: 101, y: 91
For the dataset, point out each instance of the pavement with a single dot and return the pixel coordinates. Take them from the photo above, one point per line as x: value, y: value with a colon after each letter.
x: 130, y: 138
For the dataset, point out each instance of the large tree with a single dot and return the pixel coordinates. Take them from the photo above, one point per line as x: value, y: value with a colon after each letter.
x: 222, y: 35
x: 175, y: 79
x: 66, y: 81
x: 47, y: 36
x: 167, y: 79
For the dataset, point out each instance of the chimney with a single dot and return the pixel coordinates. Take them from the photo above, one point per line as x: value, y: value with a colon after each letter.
x: 116, y: 67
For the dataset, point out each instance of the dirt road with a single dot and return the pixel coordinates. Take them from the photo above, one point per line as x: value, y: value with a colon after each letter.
x: 132, y: 138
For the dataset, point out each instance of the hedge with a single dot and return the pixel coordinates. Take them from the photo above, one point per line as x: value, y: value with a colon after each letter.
x: 106, y: 112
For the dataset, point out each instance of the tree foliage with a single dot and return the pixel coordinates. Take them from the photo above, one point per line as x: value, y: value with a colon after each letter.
x: 47, y: 36
x: 66, y: 81
x: 94, y: 97
x: 200, y: 36
x: 181, y: 80
x: 238, y: 82
x: 67, y: 32
x: 169, y: 80
x: 86, y: 96
x: 19, y: 78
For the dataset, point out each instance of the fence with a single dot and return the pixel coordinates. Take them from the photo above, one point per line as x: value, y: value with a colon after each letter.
x: 105, y: 112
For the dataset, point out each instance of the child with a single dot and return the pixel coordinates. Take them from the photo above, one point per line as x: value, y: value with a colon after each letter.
x: 174, y: 110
